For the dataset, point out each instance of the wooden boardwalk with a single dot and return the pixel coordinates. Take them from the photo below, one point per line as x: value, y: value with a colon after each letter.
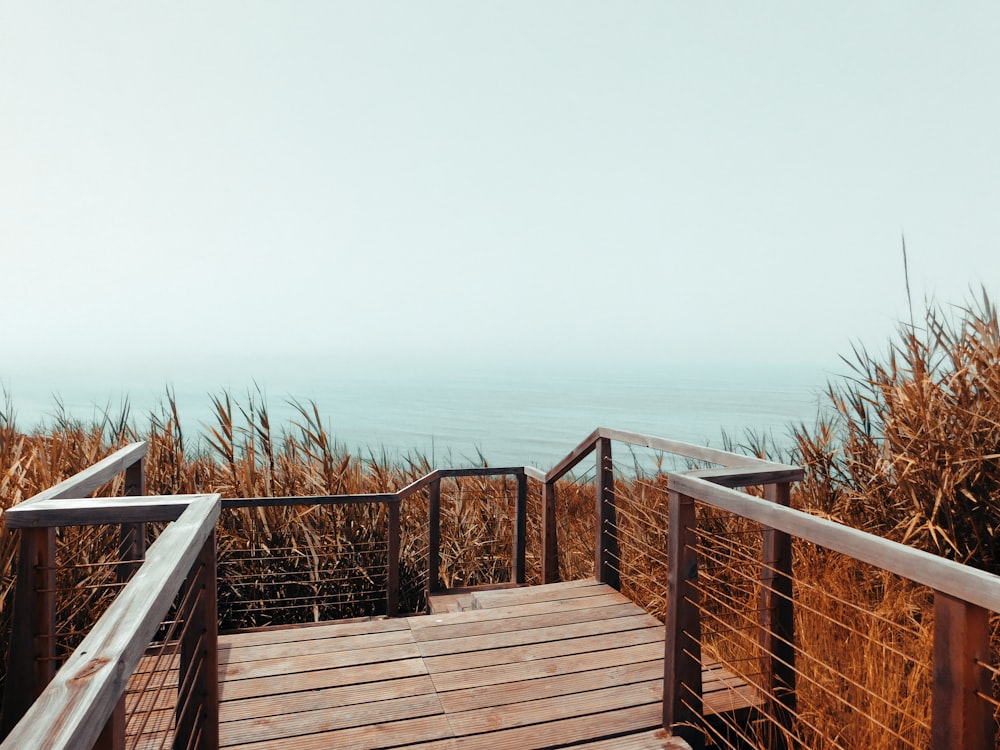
x: 568, y: 664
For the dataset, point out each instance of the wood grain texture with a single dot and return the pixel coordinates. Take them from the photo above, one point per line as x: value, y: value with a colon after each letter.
x: 960, y: 581
x: 961, y: 720
x: 520, y: 543
x: 392, y: 560
x: 433, y: 536
x: 527, y: 679
x: 606, y: 552
x: 676, y: 447
x: 97, y: 511
x: 91, y: 478
x: 31, y: 656
x: 272, y: 502
x: 73, y: 709
x: 682, y: 685
x: 550, y: 539
x: 777, y: 622
x: 575, y: 456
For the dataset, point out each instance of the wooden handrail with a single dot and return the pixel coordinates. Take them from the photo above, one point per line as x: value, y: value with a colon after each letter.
x: 277, y: 502
x: 88, y: 480
x: 31, y: 654
x: 947, y: 576
x: 76, y: 706
x: 73, y: 709
x: 735, y: 471
x: 432, y: 481
x: 963, y: 598
x: 93, y: 511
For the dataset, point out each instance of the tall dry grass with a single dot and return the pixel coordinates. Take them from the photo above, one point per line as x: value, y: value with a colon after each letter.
x: 912, y: 453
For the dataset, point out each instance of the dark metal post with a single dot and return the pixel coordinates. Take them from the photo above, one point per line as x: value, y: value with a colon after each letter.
x: 31, y: 660
x: 682, y: 696
x: 607, y: 563
x: 517, y: 573
x: 550, y: 539
x: 433, y: 537
x: 777, y: 625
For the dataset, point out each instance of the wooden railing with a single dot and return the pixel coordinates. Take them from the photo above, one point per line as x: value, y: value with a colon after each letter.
x: 81, y: 705
x: 962, y: 700
x: 432, y: 482
x: 734, y: 471
x: 32, y: 654
x: 84, y: 699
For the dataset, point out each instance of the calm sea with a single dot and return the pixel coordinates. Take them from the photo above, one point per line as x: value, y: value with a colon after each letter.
x: 525, y: 418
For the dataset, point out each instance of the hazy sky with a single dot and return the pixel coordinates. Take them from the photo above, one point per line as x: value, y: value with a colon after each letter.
x: 606, y: 182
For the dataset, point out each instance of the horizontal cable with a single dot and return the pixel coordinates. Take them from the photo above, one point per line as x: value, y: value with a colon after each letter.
x: 796, y: 668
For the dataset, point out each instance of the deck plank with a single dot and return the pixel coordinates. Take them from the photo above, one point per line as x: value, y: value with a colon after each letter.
x: 307, y: 721
x: 524, y: 691
x: 309, y: 662
x: 325, y: 678
x: 470, y: 627
x: 548, y: 649
x: 559, y: 631
x: 568, y: 665
x: 326, y: 698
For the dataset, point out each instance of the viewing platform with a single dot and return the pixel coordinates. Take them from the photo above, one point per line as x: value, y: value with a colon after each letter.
x: 694, y: 631
x: 562, y: 665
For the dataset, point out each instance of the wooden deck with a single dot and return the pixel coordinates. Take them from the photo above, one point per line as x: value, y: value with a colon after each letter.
x: 567, y: 664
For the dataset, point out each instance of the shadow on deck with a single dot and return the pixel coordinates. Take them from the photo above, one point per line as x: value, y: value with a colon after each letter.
x: 568, y: 664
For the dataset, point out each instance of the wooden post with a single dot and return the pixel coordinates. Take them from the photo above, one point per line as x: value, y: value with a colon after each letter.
x: 433, y: 537
x: 132, y: 546
x: 131, y: 553
x: 517, y: 572
x: 550, y: 540
x: 682, y: 697
x: 198, y: 713
x: 777, y: 626
x: 31, y: 660
x: 113, y: 735
x: 960, y: 720
x: 607, y: 564
x: 392, y: 564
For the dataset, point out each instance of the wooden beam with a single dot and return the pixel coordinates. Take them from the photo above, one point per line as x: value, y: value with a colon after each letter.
x: 418, y: 485
x: 97, y: 511
x: 392, y: 564
x: 198, y: 712
x: 31, y: 657
x: 517, y: 573
x: 959, y: 581
x: 606, y: 553
x: 88, y: 480
x: 433, y: 537
x: 533, y: 473
x: 777, y: 625
x: 960, y: 719
x: 274, y: 502
x: 574, y: 457
x: 688, y: 450
x: 750, y: 475
x: 682, y: 689
x: 482, y: 471
x: 132, y: 539
x: 550, y: 537
x: 74, y: 708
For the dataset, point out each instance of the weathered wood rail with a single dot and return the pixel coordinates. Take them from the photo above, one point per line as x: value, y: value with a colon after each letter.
x: 81, y: 704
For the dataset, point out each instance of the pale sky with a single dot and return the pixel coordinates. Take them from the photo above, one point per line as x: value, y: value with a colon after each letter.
x: 470, y: 181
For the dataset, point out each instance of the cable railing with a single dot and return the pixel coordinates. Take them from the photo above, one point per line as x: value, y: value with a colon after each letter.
x: 892, y: 643
x: 710, y: 547
x: 157, y: 637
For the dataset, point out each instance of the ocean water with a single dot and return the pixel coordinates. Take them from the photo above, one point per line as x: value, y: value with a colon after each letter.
x: 527, y: 417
